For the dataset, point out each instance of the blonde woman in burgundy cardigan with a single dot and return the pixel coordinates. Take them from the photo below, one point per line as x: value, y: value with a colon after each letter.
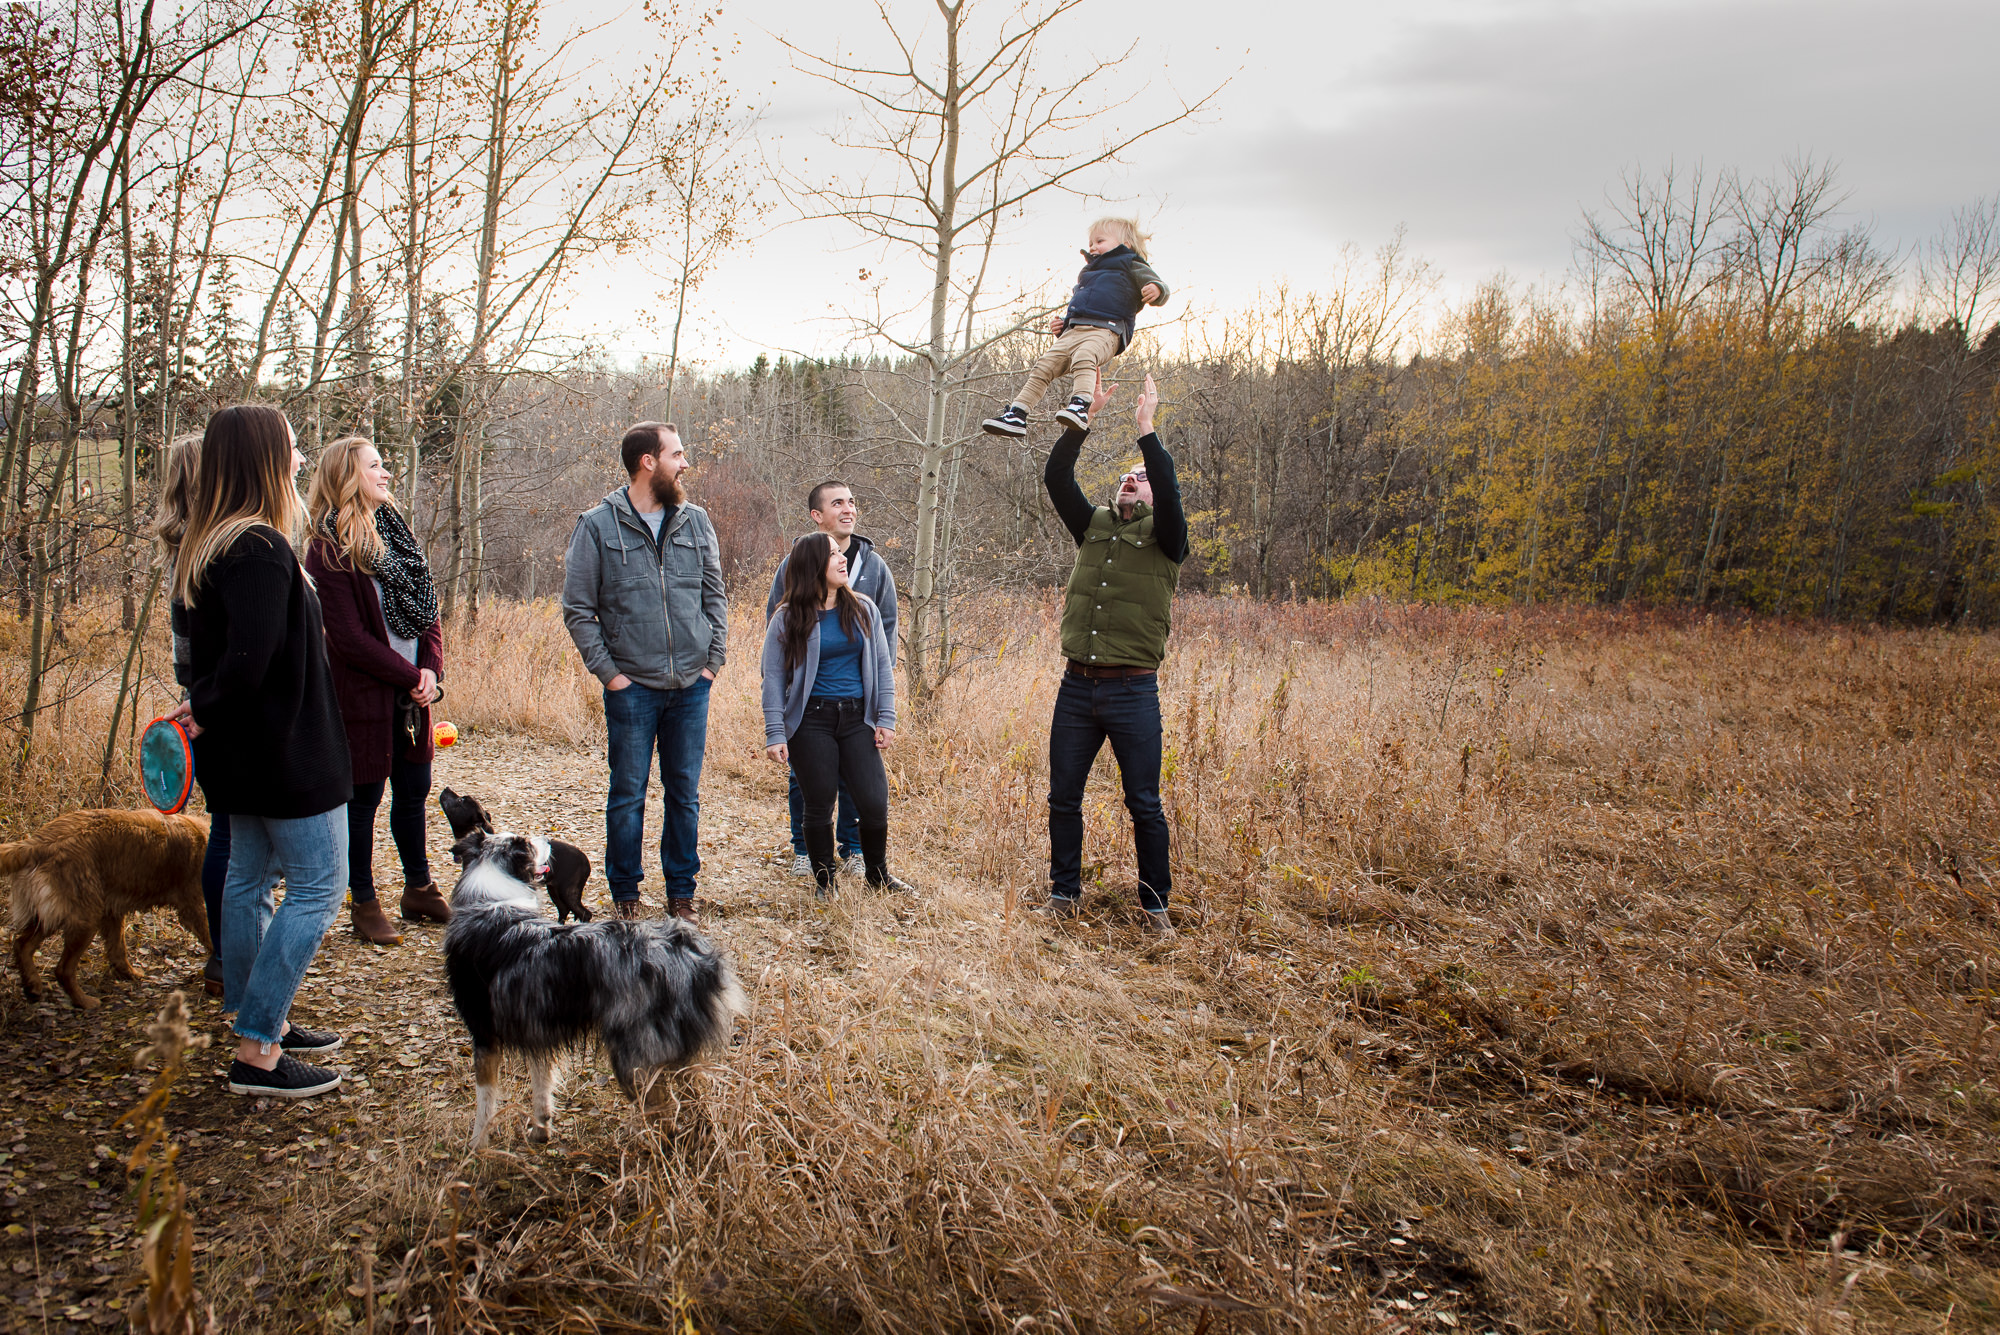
x: 387, y: 648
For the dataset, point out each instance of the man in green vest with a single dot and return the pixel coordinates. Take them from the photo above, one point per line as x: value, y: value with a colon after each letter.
x: 1116, y: 616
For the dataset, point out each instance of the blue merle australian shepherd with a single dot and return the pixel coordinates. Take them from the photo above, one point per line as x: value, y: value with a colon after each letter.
x: 657, y: 995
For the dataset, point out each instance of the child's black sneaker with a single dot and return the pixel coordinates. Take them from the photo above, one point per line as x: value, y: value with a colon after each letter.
x: 1009, y: 421
x: 303, y: 1042
x: 289, y: 1079
x: 1076, y: 413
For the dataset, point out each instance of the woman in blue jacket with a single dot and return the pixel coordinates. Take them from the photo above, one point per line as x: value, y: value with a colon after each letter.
x: 830, y: 705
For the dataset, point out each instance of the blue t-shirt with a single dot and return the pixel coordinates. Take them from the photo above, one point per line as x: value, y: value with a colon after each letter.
x: 839, y: 660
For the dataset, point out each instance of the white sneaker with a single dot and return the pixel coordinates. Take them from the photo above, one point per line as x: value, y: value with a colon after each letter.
x: 853, y: 865
x: 802, y: 866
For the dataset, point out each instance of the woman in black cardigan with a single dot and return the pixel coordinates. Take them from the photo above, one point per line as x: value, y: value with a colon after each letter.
x: 269, y: 748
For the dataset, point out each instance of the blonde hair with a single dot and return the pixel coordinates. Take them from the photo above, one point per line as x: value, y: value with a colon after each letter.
x: 1126, y: 230
x: 334, y: 503
x: 177, y: 470
x: 243, y: 479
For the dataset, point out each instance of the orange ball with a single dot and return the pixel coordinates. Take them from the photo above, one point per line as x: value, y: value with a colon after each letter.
x: 446, y: 734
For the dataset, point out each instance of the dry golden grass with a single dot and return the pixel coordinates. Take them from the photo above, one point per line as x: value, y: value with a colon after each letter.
x: 63, y: 772
x: 1545, y: 970
x: 522, y: 675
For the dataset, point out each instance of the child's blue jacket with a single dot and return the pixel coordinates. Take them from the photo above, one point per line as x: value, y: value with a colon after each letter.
x: 1106, y: 295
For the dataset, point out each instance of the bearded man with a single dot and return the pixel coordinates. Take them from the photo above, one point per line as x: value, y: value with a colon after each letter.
x: 644, y: 602
x: 1117, y: 613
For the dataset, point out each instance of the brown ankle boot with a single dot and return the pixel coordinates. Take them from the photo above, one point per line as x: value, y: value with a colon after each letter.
x: 684, y: 910
x: 372, y: 925
x: 423, y: 903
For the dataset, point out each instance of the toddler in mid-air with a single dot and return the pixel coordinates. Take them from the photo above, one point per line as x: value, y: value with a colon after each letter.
x: 1116, y: 281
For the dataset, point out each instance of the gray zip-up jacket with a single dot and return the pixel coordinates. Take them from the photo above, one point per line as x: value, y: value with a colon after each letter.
x: 785, y: 695
x: 655, y: 611
x: 867, y: 574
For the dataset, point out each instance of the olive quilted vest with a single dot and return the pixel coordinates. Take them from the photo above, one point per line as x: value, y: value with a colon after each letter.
x: 1119, y: 606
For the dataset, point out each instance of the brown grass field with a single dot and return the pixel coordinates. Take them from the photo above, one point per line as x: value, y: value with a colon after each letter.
x: 1543, y: 970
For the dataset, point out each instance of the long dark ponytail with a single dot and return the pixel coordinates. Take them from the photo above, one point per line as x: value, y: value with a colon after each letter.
x: 805, y: 596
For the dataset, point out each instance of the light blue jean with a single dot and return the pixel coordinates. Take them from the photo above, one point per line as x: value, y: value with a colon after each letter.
x: 265, y: 954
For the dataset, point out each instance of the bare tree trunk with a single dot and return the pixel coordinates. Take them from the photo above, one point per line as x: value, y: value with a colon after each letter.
x: 476, y: 581
x: 125, y: 685
x: 455, y: 563
x: 128, y: 415
x: 413, y: 272
x: 43, y: 544
x: 938, y: 361
x: 499, y: 125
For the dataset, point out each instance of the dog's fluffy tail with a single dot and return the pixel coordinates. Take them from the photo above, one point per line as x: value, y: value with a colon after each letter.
x: 18, y: 857
x: 692, y: 1003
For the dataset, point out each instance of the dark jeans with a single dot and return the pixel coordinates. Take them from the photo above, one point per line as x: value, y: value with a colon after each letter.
x: 635, y: 720
x: 214, y: 872
x: 832, y: 751
x: 848, y: 829
x: 1127, y: 711
x: 409, y: 784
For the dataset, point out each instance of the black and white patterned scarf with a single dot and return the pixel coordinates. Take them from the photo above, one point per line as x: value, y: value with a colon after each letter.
x: 409, y: 601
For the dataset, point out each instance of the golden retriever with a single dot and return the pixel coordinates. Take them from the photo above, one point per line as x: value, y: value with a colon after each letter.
x: 80, y: 874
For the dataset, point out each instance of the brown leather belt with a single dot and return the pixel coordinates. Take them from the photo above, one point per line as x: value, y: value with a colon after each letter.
x: 1077, y: 669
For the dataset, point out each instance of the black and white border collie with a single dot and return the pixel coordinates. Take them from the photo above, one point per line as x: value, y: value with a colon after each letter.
x: 657, y: 995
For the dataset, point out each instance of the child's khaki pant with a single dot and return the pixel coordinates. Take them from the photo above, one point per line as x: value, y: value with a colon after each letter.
x: 1081, y: 349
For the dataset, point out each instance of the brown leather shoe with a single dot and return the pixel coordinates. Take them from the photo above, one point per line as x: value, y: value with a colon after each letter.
x: 629, y: 909
x: 423, y: 903
x: 372, y: 925
x: 684, y: 910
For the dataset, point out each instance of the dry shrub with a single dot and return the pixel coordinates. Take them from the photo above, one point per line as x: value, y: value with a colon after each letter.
x: 170, y: 1303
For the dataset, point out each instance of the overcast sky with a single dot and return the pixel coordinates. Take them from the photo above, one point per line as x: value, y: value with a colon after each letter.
x: 1484, y: 127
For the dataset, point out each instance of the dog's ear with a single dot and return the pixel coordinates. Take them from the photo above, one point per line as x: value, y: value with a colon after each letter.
x: 468, y: 848
x: 479, y: 816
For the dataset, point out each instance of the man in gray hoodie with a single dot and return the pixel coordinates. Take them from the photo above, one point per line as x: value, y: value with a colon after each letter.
x: 831, y: 505
x: 643, y: 599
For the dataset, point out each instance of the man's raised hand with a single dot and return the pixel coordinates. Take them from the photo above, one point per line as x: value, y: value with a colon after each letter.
x: 1149, y: 399
x: 1102, y: 395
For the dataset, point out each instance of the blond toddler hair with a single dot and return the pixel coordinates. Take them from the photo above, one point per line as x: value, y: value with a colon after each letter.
x: 1126, y: 230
